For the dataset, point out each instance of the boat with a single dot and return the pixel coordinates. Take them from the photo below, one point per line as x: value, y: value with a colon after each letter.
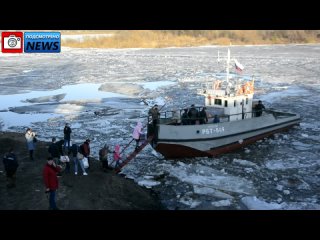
x: 231, y: 100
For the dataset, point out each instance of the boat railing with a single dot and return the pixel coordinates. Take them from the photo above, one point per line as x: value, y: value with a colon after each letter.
x: 211, y: 92
x: 278, y: 114
x: 175, y: 117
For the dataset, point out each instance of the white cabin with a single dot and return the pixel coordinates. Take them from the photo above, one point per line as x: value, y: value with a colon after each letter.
x: 237, y: 107
x: 232, y: 97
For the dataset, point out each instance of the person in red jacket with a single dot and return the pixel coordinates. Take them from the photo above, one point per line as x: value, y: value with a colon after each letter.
x: 85, y: 150
x: 51, y: 183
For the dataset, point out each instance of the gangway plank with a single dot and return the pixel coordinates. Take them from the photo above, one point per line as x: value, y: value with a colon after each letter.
x: 134, y: 154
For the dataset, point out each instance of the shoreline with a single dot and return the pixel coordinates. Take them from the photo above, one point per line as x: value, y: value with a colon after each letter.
x: 97, y: 191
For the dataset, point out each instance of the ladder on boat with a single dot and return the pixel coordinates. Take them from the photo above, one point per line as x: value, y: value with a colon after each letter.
x: 134, y: 153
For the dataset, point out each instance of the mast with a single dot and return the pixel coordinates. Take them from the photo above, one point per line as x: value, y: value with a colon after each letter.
x: 227, y: 68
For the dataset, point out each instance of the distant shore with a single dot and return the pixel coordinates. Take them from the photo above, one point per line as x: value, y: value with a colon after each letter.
x: 186, y: 38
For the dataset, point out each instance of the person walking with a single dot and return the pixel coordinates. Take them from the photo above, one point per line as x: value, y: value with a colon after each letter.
x: 10, y: 163
x: 116, y: 156
x: 67, y: 136
x: 51, y: 182
x: 31, y: 142
x: 136, y: 134
x: 75, y: 149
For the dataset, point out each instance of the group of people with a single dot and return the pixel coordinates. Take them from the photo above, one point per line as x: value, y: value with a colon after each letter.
x: 193, y: 116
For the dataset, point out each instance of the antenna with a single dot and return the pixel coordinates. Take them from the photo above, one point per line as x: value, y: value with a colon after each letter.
x: 227, y: 68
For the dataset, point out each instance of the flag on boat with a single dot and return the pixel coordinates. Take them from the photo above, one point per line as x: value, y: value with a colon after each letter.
x: 239, y: 66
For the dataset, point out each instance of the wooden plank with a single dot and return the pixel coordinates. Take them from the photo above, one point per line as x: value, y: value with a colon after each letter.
x: 133, y: 154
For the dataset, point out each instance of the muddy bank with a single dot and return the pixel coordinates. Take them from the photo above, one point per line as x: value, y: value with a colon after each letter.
x: 97, y: 191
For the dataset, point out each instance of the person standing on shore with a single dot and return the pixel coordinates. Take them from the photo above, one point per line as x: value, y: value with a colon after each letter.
x: 75, y: 149
x: 31, y: 140
x: 85, y: 150
x: 51, y: 182
x: 103, y: 157
x: 67, y: 136
x: 54, y: 150
x: 10, y: 163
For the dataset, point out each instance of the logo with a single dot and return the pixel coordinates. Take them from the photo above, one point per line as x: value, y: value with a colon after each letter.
x: 42, y: 42
x: 12, y: 42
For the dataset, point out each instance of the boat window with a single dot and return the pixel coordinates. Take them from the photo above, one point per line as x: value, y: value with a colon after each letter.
x: 217, y: 101
x: 235, y: 103
x: 225, y: 103
x: 247, y: 100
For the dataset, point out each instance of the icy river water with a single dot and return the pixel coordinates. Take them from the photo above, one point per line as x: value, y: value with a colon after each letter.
x: 103, y: 93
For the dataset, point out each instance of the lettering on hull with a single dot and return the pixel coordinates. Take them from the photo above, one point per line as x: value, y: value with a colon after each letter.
x: 208, y: 131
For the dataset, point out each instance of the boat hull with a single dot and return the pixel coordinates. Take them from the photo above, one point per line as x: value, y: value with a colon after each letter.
x: 178, y: 141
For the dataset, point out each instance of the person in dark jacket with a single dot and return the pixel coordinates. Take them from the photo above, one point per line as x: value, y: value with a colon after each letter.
x: 185, y: 117
x: 259, y: 107
x: 85, y: 150
x: 67, y: 136
x: 75, y: 149
x: 103, y: 157
x: 216, y: 119
x: 10, y: 163
x: 203, y: 116
x: 193, y: 114
x: 54, y: 150
x: 51, y: 182
x: 60, y: 147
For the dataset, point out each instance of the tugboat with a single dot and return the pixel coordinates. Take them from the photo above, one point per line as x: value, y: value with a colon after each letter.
x: 233, y: 120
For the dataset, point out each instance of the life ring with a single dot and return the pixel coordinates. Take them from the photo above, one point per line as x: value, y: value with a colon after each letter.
x: 216, y: 85
x: 240, y: 91
x: 248, y: 88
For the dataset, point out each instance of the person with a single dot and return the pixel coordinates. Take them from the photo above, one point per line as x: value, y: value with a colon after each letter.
x: 51, y: 182
x: 259, y: 107
x: 30, y: 137
x: 154, y: 112
x: 136, y: 134
x: 193, y: 115
x: 10, y: 163
x: 116, y: 156
x: 155, y: 115
x: 203, y: 116
x: 85, y: 150
x: 74, y: 150
x: 176, y: 117
x: 185, y: 117
x: 65, y: 159
x: 67, y: 136
x: 54, y: 150
x: 103, y: 157
x: 216, y: 119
